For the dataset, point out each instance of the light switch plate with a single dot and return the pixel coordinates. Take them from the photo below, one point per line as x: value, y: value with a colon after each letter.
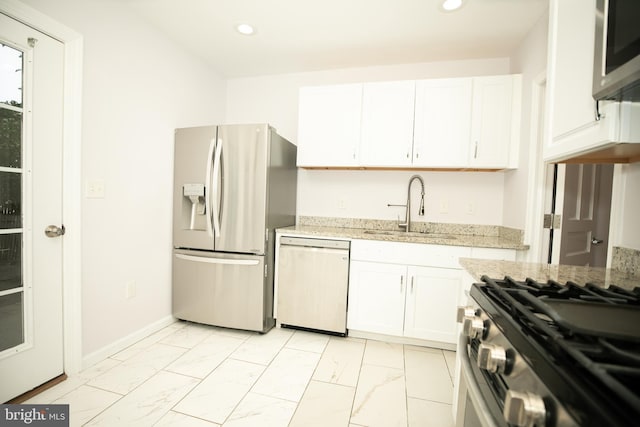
x: 95, y: 189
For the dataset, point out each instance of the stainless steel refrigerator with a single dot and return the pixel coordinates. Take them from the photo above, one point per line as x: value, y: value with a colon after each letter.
x: 233, y: 186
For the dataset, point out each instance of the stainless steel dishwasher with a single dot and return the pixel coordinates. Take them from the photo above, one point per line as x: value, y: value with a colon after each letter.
x: 313, y: 277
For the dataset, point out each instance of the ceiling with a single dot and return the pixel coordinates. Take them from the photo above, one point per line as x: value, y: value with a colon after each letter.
x: 310, y: 35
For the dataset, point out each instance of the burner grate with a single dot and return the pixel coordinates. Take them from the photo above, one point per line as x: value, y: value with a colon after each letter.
x: 591, y: 335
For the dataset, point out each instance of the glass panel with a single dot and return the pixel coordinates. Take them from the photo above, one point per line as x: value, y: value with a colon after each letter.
x: 10, y: 76
x: 10, y: 200
x: 10, y: 138
x: 11, y: 117
x: 10, y: 261
x: 11, y: 321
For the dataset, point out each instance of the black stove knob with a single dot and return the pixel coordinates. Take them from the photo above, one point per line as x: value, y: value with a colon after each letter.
x: 473, y: 327
x: 524, y: 409
x: 492, y: 358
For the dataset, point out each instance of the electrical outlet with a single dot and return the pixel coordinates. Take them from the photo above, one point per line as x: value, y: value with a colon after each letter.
x: 470, y: 208
x: 341, y: 204
x: 444, y: 206
x: 95, y: 189
x: 130, y: 289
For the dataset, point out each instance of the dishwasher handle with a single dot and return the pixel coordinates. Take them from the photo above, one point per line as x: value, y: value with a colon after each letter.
x: 315, y: 243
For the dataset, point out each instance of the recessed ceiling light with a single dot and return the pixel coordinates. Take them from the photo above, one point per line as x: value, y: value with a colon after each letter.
x: 245, y: 29
x: 451, y: 5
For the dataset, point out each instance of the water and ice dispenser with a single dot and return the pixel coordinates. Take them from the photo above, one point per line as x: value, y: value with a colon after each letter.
x: 194, y: 207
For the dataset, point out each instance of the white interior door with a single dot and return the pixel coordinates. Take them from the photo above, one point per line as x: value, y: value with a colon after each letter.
x: 31, y: 97
x: 585, y: 214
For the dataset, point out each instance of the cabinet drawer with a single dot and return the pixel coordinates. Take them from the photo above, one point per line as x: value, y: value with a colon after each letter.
x: 408, y: 253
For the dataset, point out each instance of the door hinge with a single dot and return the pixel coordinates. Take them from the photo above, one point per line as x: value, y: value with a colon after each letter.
x: 552, y: 221
x: 265, y: 270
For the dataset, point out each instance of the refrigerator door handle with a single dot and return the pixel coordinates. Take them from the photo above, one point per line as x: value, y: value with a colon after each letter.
x: 209, y: 186
x: 218, y: 260
x: 216, y: 173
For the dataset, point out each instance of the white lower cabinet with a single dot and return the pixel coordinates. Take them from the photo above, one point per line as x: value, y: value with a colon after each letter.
x: 430, y: 307
x: 391, y: 297
x: 376, y: 297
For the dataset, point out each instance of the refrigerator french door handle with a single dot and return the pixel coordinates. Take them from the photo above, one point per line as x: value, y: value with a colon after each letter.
x: 209, y: 186
x: 218, y: 260
x: 216, y: 173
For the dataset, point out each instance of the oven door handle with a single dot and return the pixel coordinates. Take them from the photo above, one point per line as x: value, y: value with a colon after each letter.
x: 473, y: 391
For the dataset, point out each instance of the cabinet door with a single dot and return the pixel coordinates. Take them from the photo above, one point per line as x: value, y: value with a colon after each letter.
x: 572, y: 50
x: 570, y: 107
x: 387, y: 123
x: 432, y: 300
x: 442, y: 122
x: 329, y: 125
x: 376, y: 297
x: 491, y: 123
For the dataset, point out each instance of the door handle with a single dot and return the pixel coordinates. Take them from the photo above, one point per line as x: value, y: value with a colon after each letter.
x: 595, y: 241
x: 215, y: 208
x: 54, y: 231
x: 209, y: 187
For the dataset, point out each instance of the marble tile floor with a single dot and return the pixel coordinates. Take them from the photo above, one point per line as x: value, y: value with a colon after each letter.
x: 201, y: 376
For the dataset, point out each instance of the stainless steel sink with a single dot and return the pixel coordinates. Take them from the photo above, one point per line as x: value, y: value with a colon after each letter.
x: 411, y: 234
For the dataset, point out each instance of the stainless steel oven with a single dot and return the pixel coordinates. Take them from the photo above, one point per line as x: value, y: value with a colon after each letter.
x: 549, y: 355
x: 473, y: 408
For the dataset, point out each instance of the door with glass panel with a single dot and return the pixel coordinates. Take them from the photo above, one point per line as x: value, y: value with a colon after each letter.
x: 31, y: 93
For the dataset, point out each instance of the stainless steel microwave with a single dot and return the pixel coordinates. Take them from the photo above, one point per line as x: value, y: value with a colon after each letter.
x: 616, y: 67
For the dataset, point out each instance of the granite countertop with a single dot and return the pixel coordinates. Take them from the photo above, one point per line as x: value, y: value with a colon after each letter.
x: 542, y: 272
x: 449, y: 239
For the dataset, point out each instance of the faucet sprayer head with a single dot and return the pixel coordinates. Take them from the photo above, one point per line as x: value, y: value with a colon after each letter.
x: 421, y: 209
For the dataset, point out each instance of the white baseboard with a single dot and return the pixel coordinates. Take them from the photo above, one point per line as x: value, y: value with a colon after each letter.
x: 124, y: 342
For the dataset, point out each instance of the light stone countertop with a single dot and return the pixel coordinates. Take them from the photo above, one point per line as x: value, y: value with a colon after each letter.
x: 542, y: 272
x: 448, y: 239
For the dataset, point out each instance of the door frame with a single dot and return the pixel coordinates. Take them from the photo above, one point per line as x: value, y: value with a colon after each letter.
x: 537, y: 177
x: 71, y: 173
x: 539, y: 186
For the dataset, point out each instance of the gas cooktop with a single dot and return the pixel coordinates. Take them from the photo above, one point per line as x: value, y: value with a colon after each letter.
x: 583, y: 342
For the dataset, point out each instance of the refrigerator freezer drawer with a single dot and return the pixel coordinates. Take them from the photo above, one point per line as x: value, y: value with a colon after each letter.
x: 222, y: 290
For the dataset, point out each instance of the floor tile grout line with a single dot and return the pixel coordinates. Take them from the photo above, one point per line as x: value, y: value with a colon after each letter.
x: 355, y: 393
x: 163, y: 369
x: 256, y: 381
x: 406, y: 389
x: 137, y: 387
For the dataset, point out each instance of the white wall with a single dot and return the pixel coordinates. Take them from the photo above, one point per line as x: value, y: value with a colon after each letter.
x: 530, y: 60
x: 365, y: 194
x: 628, y: 234
x: 138, y: 86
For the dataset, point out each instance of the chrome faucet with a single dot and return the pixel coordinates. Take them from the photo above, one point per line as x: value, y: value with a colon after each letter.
x: 407, y: 220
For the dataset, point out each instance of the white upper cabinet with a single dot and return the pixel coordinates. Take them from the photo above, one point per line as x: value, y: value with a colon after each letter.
x: 387, y: 123
x: 329, y: 125
x: 573, y: 130
x: 495, y: 122
x: 442, y: 123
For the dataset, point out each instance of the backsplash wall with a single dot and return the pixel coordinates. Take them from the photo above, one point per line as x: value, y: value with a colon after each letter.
x: 450, y: 197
